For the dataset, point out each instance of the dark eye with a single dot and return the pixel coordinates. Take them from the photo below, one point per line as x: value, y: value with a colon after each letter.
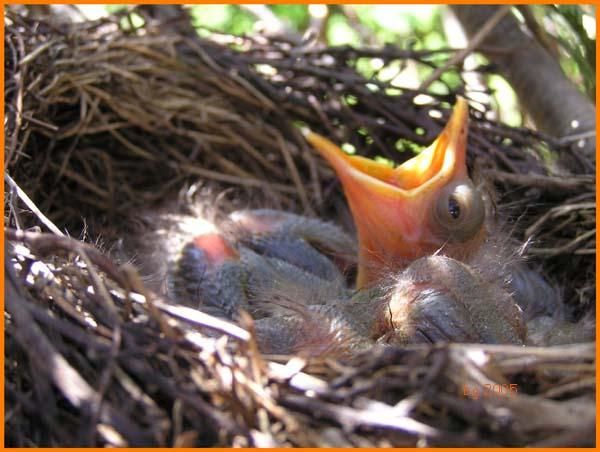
x: 454, y: 208
x: 459, y: 212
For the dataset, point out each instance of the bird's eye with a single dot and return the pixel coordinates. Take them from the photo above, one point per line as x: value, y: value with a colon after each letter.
x: 459, y: 212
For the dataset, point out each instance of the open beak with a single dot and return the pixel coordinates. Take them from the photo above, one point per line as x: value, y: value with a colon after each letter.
x: 392, y: 206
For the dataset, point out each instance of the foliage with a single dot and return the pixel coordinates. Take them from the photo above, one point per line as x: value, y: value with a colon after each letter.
x: 420, y: 27
x: 577, y: 39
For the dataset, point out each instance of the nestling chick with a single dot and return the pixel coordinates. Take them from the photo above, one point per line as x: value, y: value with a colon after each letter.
x: 432, y: 266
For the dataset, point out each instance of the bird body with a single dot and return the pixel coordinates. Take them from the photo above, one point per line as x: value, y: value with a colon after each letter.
x: 430, y: 266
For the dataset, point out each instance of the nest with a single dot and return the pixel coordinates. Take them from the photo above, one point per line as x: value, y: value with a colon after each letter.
x: 105, y: 120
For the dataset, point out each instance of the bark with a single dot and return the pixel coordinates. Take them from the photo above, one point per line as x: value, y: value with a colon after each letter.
x: 554, y: 103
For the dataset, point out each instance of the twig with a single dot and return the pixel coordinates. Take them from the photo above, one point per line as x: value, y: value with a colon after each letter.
x: 462, y: 54
x: 29, y: 203
x: 44, y: 243
x: 74, y: 388
x: 351, y: 419
x: 567, y: 248
x: 540, y: 181
x: 557, y: 212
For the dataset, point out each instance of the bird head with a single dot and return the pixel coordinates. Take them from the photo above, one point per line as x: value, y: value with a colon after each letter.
x: 426, y: 205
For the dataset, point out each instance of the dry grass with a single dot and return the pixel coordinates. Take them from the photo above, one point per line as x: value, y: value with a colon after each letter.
x: 103, y: 123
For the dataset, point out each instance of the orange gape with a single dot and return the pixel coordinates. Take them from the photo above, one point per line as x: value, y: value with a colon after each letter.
x: 426, y: 205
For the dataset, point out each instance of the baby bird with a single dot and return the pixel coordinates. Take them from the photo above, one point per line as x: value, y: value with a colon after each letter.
x: 432, y: 266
